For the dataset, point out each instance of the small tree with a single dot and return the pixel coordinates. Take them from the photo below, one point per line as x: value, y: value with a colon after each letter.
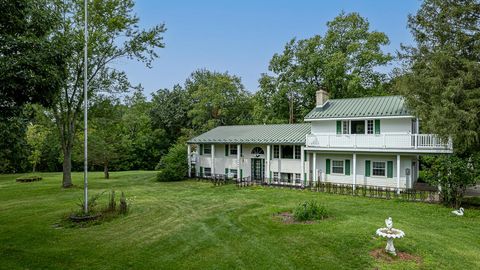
x: 173, y: 166
x: 36, y: 137
x: 453, y: 175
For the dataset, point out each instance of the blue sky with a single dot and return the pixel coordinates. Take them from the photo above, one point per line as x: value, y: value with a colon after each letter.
x: 241, y: 36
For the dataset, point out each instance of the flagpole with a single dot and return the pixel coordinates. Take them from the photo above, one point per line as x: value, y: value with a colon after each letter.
x: 85, y: 116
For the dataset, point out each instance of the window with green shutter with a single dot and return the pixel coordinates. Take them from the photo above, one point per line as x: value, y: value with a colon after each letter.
x: 367, y: 167
x: 339, y: 127
x: 327, y: 161
x: 347, y: 167
x: 226, y: 149
x: 390, y: 169
x: 377, y: 126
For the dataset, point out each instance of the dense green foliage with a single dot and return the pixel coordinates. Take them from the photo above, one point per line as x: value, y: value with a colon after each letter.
x: 441, y: 85
x: 172, y: 166
x: 190, y: 224
x: 344, y: 62
x: 309, y: 211
x: 32, y: 61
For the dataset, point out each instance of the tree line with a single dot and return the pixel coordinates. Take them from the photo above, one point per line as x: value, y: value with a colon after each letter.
x: 42, y: 77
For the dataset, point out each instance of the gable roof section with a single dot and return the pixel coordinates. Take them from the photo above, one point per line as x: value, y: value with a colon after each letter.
x: 385, y: 106
x: 261, y: 134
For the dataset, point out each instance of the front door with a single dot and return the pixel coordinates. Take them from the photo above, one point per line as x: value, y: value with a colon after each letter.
x: 258, y: 168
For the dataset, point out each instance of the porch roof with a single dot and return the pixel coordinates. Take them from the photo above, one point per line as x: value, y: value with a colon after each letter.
x: 261, y: 134
x: 384, y: 106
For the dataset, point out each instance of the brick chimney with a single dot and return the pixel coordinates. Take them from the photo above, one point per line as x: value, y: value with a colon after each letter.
x: 322, y: 97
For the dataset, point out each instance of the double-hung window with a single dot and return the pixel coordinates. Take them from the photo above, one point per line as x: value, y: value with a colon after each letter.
x: 345, y: 128
x: 207, y: 171
x: 276, y: 151
x: 275, y: 176
x: 379, y: 168
x: 233, y: 150
x: 287, y: 151
x: 337, y: 166
x: 207, y: 149
x: 233, y: 173
x: 297, y: 151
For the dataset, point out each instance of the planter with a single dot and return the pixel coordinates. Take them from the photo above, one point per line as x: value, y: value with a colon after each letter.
x: 28, y: 179
x: 75, y: 218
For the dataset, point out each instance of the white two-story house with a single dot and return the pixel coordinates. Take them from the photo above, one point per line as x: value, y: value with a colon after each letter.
x: 359, y: 141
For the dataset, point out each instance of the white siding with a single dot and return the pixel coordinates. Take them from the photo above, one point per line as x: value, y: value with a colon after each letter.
x: 400, y: 125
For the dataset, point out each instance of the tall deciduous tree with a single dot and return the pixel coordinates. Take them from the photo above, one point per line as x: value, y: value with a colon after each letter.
x: 217, y: 99
x: 344, y: 62
x: 113, y: 34
x: 32, y: 61
x: 36, y: 138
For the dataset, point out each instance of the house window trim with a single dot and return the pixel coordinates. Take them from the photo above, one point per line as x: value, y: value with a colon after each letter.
x: 347, y: 128
x: 295, y: 147
x: 210, y: 148
x: 373, y: 126
x: 232, y: 147
x: 331, y: 167
x: 278, y: 154
x: 205, y: 173
x: 371, y: 168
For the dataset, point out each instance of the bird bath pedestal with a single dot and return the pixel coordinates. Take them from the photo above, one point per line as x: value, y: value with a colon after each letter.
x: 390, y: 233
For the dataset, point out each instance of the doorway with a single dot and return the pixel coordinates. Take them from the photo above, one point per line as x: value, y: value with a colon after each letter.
x: 258, y: 168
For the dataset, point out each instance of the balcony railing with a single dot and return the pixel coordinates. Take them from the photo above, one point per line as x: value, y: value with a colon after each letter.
x: 375, y: 141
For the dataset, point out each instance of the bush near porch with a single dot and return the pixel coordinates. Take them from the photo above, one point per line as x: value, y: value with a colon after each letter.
x: 190, y: 224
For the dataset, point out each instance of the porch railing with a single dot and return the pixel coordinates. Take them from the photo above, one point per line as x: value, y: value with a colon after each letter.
x: 396, y: 141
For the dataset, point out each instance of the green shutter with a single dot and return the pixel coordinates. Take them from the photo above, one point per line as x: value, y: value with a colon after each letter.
x: 339, y: 127
x: 201, y: 171
x: 347, y: 167
x: 271, y: 152
x: 241, y: 150
x: 226, y: 149
x: 201, y: 149
x: 377, y: 126
x: 305, y: 155
x: 241, y: 173
x: 327, y: 171
x: 270, y: 174
x: 367, y: 167
x: 226, y: 171
x: 390, y: 169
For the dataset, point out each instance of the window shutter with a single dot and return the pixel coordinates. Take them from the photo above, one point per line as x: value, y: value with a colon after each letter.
x: 347, y: 167
x: 201, y: 149
x: 226, y: 171
x: 339, y: 127
x: 241, y: 150
x: 201, y: 171
x: 271, y: 152
x: 377, y: 126
x: 390, y: 169
x: 226, y: 149
x: 305, y: 155
x: 367, y: 167
x: 241, y: 173
x: 327, y: 161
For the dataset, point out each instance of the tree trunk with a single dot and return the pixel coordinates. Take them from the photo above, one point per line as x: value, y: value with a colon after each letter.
x: 105, y: 170
x: 67, y: 167
x: 33, y: 169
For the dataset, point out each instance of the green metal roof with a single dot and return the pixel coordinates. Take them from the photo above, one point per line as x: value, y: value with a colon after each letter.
x: 360, y: 107
x: 261, y: 134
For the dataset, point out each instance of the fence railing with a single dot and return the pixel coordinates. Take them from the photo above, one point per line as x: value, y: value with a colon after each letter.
x: 370, y: 191
x: 397, y: 141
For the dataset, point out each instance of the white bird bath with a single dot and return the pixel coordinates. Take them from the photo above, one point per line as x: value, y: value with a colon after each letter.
x: 390, y: 233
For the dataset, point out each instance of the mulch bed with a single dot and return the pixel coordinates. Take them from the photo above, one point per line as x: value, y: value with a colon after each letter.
x: 381, y: 255
x: 287, y: 218
x: 28, y: 179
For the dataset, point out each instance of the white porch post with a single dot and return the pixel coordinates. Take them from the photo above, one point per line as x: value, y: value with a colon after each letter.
x: 398, y: 174
x: 238, y: 161
x: 354, y: 178
x: 314, y: 166
x: 267, y: 163
x: 279, y: 164
x: 189, y: 152
x: 213, y: 159
x: 302, y: 165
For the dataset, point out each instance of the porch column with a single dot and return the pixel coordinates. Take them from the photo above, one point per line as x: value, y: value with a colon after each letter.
x: 213, y: 159
x: 314, y: 166
x: 398, y: 174
x: 279, y: 164
x: 267, y: 163
x: 189, y: 152
x: 302, y: 165
x: 238, y: 161
x: 354, y: 178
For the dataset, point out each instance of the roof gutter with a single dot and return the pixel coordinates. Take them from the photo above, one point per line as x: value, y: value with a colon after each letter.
x: 358, y: 118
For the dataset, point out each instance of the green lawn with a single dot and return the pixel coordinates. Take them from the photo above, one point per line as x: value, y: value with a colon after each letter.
x: 195, y: 225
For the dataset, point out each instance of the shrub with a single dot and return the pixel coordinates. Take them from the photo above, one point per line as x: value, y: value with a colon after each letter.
x: 92, y: 204
x: 309, y: 210
x: 112, y: 204
x: 173, y: 166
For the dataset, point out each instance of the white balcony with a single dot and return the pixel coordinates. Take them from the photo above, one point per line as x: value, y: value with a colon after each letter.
x: 421, y: 143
